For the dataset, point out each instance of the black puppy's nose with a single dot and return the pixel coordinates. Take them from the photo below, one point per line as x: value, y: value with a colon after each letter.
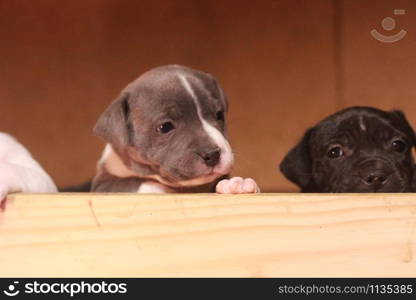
x: 375, y: 178
x: 211, y: 157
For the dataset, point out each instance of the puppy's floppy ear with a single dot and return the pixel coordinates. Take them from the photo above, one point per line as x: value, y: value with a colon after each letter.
x: 297, y: 164
x: 114, y: 125
x: 400, y: 119
x: 221, y: 92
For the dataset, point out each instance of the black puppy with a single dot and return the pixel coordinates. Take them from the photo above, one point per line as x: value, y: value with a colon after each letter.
x: 359, y: 149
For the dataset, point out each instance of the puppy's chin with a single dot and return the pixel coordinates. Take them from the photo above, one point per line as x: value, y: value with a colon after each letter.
x: 194, y: 173
x: 361, y: 189
x: 395, y: 185
x: 199, y: 180
x: 207, y: 176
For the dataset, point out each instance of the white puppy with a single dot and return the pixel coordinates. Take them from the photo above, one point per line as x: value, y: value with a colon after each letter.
x: 19, y: 172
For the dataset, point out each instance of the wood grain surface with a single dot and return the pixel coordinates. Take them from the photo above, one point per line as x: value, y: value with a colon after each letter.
x: 263, y: 235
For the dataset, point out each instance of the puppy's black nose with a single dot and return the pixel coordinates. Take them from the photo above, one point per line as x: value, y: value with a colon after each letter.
x: 211, y: 157
x: 375, y: 178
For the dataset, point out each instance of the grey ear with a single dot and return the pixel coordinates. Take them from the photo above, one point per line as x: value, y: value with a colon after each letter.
x: 297, y: 164
x: 113, y: 125
x: 221, y: 92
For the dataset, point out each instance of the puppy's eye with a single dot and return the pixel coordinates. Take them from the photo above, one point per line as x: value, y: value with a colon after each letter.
x: 220, y: 116
x: 398, y: 146
x: 335, y: 152
x: 165, y: 127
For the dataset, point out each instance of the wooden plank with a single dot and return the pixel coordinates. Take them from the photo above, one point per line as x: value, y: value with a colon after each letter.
x: 264, y: 235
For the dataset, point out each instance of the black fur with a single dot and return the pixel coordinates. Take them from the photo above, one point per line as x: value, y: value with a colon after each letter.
x: 365, y: 136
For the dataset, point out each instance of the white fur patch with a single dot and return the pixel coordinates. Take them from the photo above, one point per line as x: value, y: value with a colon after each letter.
x: 227, y: 157
x: 362, y: 124
x: 113, y: 163
x: 151, y: 187
x: 19, y: 172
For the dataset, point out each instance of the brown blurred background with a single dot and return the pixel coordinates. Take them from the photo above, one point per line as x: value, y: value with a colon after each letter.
x: 284, y: 65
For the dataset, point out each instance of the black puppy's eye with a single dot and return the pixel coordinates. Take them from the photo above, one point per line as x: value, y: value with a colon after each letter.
x: 165, y: 127
x: 220, y: 116
x: 398, y: 146
x: 335, y: 152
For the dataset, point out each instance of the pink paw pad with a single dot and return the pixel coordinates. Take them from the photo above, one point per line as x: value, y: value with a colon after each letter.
x: 237, y: 185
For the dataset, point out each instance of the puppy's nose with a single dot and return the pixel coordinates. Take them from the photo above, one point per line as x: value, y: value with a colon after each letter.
x: 375, y: 178
x: 211, y: 157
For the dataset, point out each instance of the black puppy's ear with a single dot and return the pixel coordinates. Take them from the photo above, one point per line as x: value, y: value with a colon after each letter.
x: 113, y: 125
x: 297, y: 164
x: 401, y: 122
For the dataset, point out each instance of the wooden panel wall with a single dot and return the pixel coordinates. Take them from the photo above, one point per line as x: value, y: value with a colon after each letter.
x: 284, y: 65
x: 376, y: 73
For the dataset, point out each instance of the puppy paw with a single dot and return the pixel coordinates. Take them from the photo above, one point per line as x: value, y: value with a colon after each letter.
x: 237, y: 185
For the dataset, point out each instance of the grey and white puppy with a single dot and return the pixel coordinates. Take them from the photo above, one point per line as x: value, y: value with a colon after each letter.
x: 359, y: 149
x: 19, y: 171
x: 166, y: 132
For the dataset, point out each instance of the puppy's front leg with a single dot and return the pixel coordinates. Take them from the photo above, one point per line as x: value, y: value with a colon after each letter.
x: 11, y: 179
x: 4, y: 190
x: 16, y: 179
x: 237, y: 185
